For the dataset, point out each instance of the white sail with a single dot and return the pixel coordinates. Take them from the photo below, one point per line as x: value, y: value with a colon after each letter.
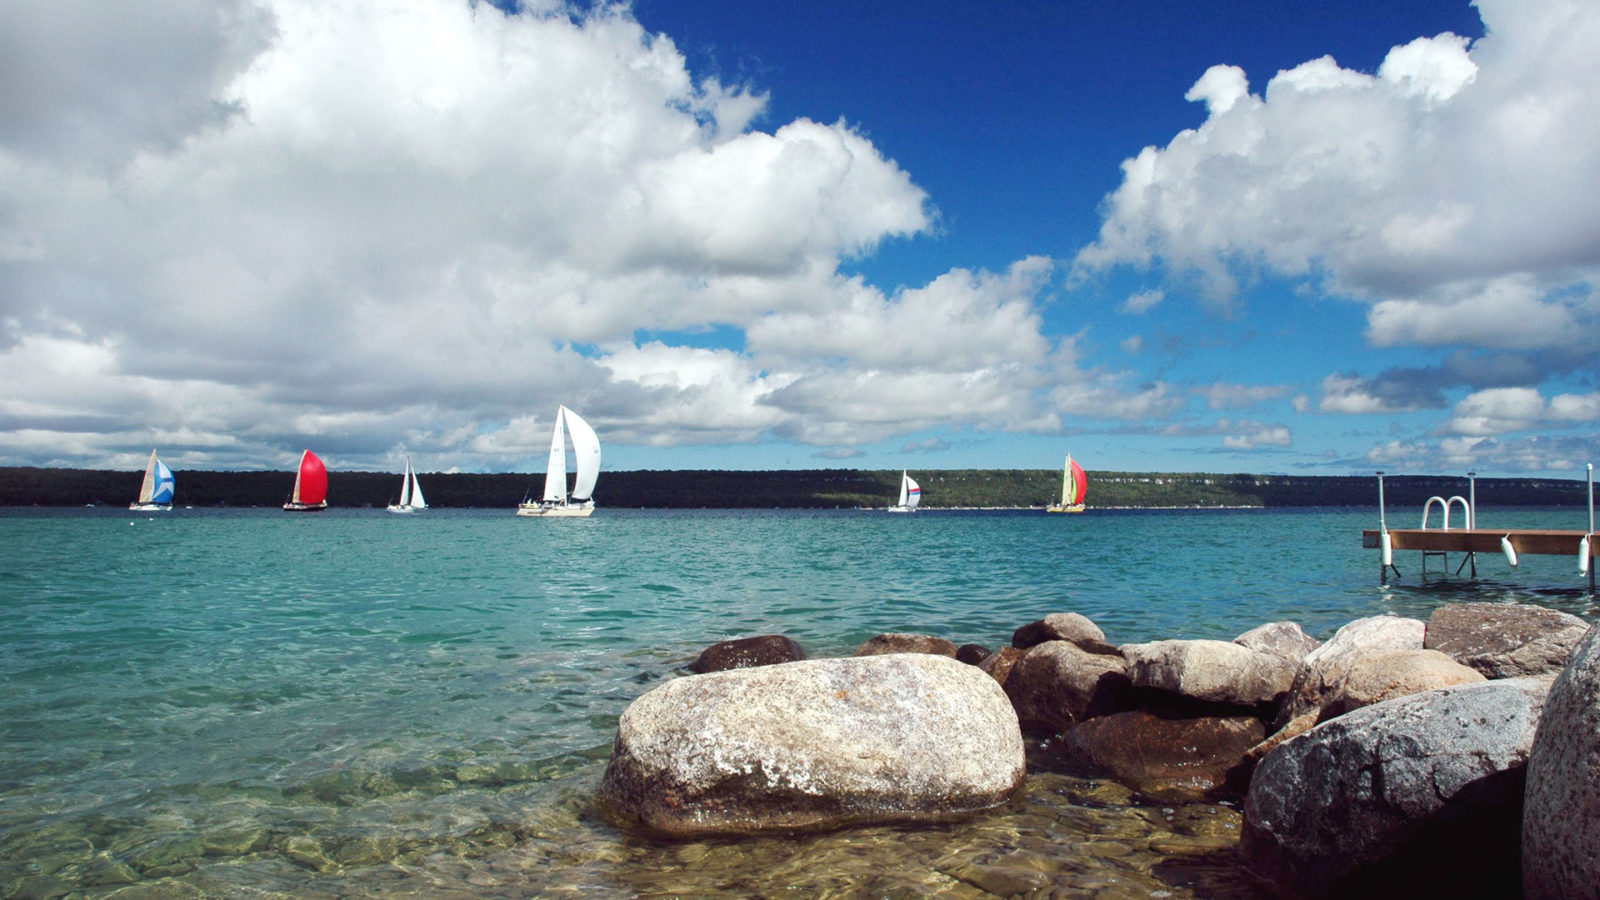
x: 148, y: 487
x: 405, y: 484
x: 585, y: 454
x: 904, y: 478
x: 910, y: 493
x: 555, y: 476
x: 416, y: 490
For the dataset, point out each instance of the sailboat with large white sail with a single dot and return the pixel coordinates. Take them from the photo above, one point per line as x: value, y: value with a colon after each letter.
x: 910, y: 494
x: 155, y: 492
x: 410, y: 493
x: 556, y: 502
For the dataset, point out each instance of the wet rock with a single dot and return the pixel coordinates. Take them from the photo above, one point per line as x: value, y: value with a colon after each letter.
x: 998, y: 664
x: 1063, y: 627
x: 1239, y: 776
x: 1057, y: 683
x: 1505, y: 640
x: 1167, y: 758
x: 906, y: 643
x: 1419, y: 796
x: 1561, y: 820
x: 1324, y: 668
x: 1209, y: 671
x: 741, y: 653
x: 814, y: 745
x: 305, y: 850
x: 1286, y: 640
x: 972, y: 654
x: 1377, y: 677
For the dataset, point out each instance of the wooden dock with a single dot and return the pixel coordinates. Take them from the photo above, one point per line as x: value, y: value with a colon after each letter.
x: 1483, y: 540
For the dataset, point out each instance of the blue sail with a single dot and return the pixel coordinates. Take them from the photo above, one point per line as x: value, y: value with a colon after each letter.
x: 164, y: 484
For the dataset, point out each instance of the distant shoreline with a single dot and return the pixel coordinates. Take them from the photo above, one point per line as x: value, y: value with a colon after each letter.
x: 977, y: 489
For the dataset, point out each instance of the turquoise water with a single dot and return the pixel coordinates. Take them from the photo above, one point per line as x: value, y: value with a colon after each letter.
x: 222, y: 702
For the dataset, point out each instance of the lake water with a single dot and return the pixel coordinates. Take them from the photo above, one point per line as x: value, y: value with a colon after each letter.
x: 248, y: 702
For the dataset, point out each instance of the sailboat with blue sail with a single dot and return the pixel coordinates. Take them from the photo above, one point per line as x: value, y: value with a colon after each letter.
x: 155, y: 492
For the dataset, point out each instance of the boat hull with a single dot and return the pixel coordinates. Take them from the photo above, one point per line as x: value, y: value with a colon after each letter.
x: 292, y: 506
x: 902, y: 509
x: 406, y: 510
x: 1058, y: 508
x: 150, y: 507
x: 541, y: 511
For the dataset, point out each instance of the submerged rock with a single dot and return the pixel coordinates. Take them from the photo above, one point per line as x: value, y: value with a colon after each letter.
x: 1057, y: 683
x: 1561, y: 819
x: 907, y: 643
x: 1062, y: 627
x: 814, y: 745
x: 1419, y: 796
x: 1210, y: 671
x: 742, y: 653
x: 1505, y: 640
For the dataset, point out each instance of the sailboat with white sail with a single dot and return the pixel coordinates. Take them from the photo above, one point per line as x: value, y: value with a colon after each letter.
x: 410, y: 493
x: 1073, y: 487
x: 155, y: 492
x: 556, y: 502
x: 910, y: 494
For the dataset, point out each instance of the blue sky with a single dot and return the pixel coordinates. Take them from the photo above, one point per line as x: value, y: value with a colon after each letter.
x: 1262, y: 237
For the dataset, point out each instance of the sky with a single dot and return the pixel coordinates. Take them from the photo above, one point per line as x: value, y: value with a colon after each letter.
x: 1265, y: 236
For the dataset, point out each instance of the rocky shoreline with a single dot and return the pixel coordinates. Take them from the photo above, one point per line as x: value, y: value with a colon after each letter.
x: 1398, y: 758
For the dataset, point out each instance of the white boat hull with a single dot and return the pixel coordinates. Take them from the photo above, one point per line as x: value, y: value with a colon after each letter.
x: 292, y: 506
x: 903, y: 509
x: 396, y: 508
x: 542, y: 511
x: 150, y: 507
x: 1058, y: 508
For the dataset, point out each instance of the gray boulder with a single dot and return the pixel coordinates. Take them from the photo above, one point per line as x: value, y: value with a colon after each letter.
x: 907, y: 643
x: 1505, y: 640
x: 1416, y: 797
x: 1282, y: 639
x: 1325, y: 668
x: 1210, y: 671
x: 814, y: 745
x: 1062, y: 627
x: 1058, y: 683
x: 1561, y: 818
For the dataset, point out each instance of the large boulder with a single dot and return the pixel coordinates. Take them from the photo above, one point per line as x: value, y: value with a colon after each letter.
x: 1282, y: 639
x: 1325, y: 668
x: 1419, y: 796
x: 1209, y: 671
x: 813, y: 745
x: 1561, y: 818
x: 899, y: 642
x: 1062, y: 627
x: 1505, y: 640
x: 742, y: 653
x: 999, y: 663
x: 1377, y: 677
x: 1168, y: 758
x: 1058, y: 683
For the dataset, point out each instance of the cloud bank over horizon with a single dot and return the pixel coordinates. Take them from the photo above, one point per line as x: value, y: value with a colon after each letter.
x: 416, y: 226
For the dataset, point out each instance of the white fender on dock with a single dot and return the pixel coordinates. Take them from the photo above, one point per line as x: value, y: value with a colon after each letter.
x: 1508, y: 550
x: 1386, y: 543
x: 1583, y: 556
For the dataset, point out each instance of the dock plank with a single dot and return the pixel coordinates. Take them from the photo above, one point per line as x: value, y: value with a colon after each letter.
x: 1550, y: 542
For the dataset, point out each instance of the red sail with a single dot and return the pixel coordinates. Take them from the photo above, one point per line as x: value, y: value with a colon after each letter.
x: 1080, y: 484
x: 312, y: 485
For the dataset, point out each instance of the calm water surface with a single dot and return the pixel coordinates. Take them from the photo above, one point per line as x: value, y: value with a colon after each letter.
x: 223, y: 703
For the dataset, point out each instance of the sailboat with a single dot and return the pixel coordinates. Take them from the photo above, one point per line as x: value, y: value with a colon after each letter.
x: 410, y: 493
x: 155, y: 493
x: 556, y: 501
x: 910, y: 495
x: 1073, y: 487
x: 310, y: 486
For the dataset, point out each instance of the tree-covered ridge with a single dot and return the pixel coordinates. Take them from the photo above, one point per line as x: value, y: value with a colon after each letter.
x: 794, y: 489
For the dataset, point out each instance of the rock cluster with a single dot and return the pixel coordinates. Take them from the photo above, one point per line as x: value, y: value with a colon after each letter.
x: 1397, y: 750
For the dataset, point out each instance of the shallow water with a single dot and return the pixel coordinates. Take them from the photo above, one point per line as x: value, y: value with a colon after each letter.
x: 357, y: 704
